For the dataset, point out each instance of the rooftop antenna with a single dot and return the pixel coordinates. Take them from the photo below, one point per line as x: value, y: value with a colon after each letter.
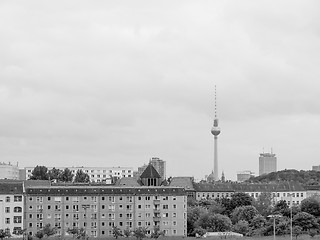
x: 215, y: 101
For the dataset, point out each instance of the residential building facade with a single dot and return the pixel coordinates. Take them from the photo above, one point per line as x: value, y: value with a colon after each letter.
x: 9, y: 171
x: 244, y: 175
x: 99, y: 209
x: 96, y: 174
x: 11, y: 207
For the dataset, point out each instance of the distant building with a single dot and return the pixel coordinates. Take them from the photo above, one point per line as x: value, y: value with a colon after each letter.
x: 9, y: 171
x: 267, y: 163
x: 96, y: 174
x: 316, y: 168
x: 158, y: 164
x: 244, y: 175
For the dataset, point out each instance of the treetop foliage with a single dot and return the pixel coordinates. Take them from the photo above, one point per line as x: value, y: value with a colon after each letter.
x: 309, y: 177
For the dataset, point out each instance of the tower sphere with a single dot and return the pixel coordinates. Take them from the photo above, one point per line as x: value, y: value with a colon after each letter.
x: 215, y: 131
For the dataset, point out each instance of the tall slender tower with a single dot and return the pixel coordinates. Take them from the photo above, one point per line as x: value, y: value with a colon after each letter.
x: 215, y: 130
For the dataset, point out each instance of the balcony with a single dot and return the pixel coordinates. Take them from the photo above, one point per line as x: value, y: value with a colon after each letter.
x: 156, y: 201
x: 157, y: 218
x: 156, y: 210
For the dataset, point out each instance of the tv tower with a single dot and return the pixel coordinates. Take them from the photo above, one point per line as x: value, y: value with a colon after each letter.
x: 215, y: 130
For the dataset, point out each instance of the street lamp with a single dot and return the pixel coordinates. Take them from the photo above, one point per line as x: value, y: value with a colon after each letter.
x: 274, y: 216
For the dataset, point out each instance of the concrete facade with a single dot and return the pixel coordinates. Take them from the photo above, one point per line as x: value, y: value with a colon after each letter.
x: 98, y: 209
x: 267, y: 163
x: 96, y: 174
x: 9, y: 171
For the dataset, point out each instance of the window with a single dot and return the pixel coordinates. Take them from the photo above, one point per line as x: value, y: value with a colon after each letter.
x: 7, y: 210
x: 30, y: 225
x: 7, y: 199
x: 165, y: 206
x: 39, y: 199
x: 165, y: 215
x: 174, y: 223
x: 174, y: 214
x: 139, y: 206
x: 57, y: 199
x: 147, y: 198
x: 166, y: 198
x: 30, y: 215
x: 17, y: 209
x: 102, y: 198
x: 174, y: 198
x: 129, y: 199
x: 174, y: 206
x: 139, y: 198
x: 7, y: 220
x: 17, y: 198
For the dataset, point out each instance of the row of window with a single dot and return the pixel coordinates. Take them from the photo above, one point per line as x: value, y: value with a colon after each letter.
x: 103, y: 198
x: 15, y: 199
x: 16, y: 219
x: 15, y: 209
x: 111, y: 216
x: 218, y: 195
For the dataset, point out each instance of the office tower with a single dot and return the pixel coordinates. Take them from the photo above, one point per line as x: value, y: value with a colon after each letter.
x: 215, y: 130
x: 267, y: 163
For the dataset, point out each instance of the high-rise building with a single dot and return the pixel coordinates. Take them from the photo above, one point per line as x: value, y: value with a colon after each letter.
x: 215, y: 130
x: 267, y: 163
x: 158, y: 164
x: 244, y: 175
x: 9, y: 171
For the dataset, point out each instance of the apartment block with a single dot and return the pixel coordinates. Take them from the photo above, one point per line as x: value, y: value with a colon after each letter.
x: 11, y: 207
x: 96, y: 174
x: 98, y: 209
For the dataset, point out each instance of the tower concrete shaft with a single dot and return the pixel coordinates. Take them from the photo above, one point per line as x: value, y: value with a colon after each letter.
x: 215, y: 167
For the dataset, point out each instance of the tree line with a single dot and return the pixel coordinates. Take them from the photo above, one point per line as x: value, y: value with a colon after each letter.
x: 245, y: 215
x: 309, y: 177
x: 65, y: 175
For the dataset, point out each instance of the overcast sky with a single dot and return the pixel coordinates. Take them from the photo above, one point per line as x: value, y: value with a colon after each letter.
x: 114, y: 83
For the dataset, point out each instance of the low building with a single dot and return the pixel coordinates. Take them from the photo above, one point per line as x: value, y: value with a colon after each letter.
x: 99, y: 209
x: 11, y: 207
x: 186, y: 183
x: 244, y: 175
x: 96, y: 174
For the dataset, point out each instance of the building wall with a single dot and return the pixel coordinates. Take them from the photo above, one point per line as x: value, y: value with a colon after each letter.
x: 267, y: 163
x: 96, y: 174
x: 244, y: 175
x: 11, y: 212
x: 8, y: 171
x: 98, y: 213
x: 213, y: 195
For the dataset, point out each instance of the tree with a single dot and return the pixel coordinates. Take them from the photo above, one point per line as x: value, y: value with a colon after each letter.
x: 48, y: 230
x: 264, y: 203
x: 257, y: 225
x: 39, y: 173
x: 246, y: 213
x: 127, y: 232
x: 140, y: 233
x: 156, y: 233
x: 296, y: 231
x: 39, y: 234
x: 241, y: 227
x: 54, y: 173
x: 282, y: 208
x: 4, y: 234
x: 240, y: 199
x: 116, y: 231
x: 193, y: 214
x: 199, y: 232
x: 305, y: 220
x: 81, y: 177
x: 74, y: 231
x: 311, y: 205
x: 66, y: 175
x: 216, y: 207
x: 214, y: 223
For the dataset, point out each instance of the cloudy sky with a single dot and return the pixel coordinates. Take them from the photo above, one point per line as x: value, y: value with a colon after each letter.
x: 114, y: 83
